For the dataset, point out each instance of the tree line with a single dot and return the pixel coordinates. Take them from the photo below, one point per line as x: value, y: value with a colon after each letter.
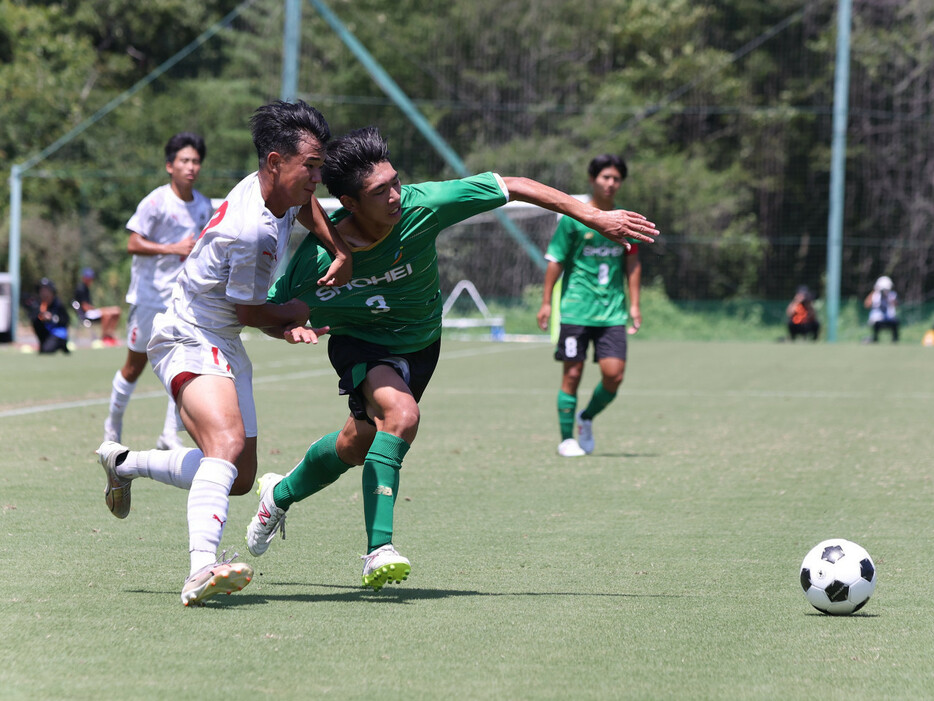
x: 722, y: 109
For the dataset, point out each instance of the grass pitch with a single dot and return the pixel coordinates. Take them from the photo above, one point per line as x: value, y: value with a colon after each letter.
x: 663, y: 566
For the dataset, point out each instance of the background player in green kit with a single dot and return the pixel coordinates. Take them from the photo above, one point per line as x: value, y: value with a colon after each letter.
x: 386, y: 324
x: 593, y: 306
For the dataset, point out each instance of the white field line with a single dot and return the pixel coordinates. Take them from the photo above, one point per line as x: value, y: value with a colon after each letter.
x: 490, y: 349
x: 261, y: 380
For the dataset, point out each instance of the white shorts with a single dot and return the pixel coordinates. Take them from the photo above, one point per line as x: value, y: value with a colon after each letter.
x: 177, y: 347
x: 139, y: 327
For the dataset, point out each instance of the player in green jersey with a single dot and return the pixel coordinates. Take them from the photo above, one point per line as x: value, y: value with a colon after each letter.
x: 593, y: 306
x: 386, y: 324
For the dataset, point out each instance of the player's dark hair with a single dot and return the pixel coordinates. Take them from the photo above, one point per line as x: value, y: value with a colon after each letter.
x: 607, y: 160
x: 280, y: 126
x: 182, y: 140
x: 351, y: 158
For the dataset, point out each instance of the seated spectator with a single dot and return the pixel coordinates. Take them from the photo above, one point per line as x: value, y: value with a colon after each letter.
x: 107, y: 316
x: 49, y: 319
x: 802, y: 319
x: 881, y: 303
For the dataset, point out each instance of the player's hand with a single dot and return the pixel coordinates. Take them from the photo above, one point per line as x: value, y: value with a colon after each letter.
x: 635, y: 316
x: 338, y: 272
x: 544, y: 317
x: 619, y: 225
x: 183, y: 247
x: 304, y: 334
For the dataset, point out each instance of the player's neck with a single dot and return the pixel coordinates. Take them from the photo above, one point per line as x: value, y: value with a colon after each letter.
x: 359, y: 232
x: 604, y: 204
x: 183, y: 192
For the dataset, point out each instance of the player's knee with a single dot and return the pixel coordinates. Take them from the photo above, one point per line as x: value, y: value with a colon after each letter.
x: 243, y: 484
x: 611, y: 383
x: 131, y: 371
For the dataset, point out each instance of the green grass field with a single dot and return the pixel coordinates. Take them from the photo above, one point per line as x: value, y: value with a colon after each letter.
x: 663, y: 566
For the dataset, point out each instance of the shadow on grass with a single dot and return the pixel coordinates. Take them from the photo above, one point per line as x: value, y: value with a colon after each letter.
x: 398, y: 594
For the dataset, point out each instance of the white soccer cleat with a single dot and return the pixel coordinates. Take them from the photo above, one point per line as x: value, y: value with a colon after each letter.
x: 112, y: 430
x: 169, y: 441
x: 117, y: 489
x: 569, y: 448
x: 384, y: 566
x: 585, y: 433
x: 224, y: 577
x: 269, y: 518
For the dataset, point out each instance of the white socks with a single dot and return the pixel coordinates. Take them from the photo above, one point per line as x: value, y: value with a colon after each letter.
x: 120, y: 394
x: 173, y: 467
x: 207, y: 510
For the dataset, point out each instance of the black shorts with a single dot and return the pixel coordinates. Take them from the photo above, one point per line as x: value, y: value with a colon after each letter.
x: 353, y: 358
x: 608, y: 342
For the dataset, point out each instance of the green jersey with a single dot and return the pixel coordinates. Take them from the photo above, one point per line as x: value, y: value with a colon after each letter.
x: 394, y: 298
x: 593, y: 291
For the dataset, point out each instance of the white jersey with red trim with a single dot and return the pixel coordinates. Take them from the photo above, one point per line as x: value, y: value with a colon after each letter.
x: 233, y: 262
x: 164, y: 218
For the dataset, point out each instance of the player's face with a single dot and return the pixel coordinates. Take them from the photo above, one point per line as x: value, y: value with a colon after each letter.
x: 606, y: 184
x: 185, y: 167
x: 380, y: 196
x: 299, y: 174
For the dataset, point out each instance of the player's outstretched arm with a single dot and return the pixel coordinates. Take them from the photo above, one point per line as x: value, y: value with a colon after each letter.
x: 315, y: 219
x: 271, y: 315
x: 617, y: 225
x: 294, y: 333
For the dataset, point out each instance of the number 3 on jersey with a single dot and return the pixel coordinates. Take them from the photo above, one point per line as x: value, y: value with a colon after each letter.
x: 377, y: 304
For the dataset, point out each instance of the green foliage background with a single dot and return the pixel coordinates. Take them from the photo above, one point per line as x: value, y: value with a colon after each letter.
x: 722, y: 110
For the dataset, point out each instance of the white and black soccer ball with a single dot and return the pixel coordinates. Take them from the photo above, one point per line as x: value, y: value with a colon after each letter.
x: 838, y: 577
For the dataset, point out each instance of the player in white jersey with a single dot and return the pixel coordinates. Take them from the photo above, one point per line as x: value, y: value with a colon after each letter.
x: 162, y: 233
x: 196, y: 349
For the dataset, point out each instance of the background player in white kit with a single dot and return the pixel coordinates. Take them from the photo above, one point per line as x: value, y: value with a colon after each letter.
x: 196, y: 349
x: 162, y: 233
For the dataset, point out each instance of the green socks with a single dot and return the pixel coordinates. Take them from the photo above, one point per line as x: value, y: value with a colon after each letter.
x: 598, y: 402
x: 381, y: 486
x: 567, y: 404
x: 317, y: 470
x: 321, y: 466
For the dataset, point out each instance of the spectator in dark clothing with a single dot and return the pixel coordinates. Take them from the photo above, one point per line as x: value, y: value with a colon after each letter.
x: 50, y: 319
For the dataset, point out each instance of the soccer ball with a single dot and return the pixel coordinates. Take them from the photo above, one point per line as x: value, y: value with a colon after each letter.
x: 838, y: 577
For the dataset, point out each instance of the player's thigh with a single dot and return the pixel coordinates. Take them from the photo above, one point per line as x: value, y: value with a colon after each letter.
x: 572, y: 344
x: 391, y: 402
x: 210, y: 410
x: 610, y: 350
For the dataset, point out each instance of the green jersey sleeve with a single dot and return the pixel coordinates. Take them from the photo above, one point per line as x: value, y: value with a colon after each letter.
x: 394, y: 296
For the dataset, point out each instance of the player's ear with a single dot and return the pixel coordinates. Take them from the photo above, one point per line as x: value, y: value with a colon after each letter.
x: 273, y: 161
x: 348, y: 202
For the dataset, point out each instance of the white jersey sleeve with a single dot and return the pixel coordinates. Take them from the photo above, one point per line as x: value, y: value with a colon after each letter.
x: 163, y: 218
x: 233, y: 262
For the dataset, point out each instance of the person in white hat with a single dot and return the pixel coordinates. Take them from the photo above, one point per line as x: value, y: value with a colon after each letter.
x: 881, y: 303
